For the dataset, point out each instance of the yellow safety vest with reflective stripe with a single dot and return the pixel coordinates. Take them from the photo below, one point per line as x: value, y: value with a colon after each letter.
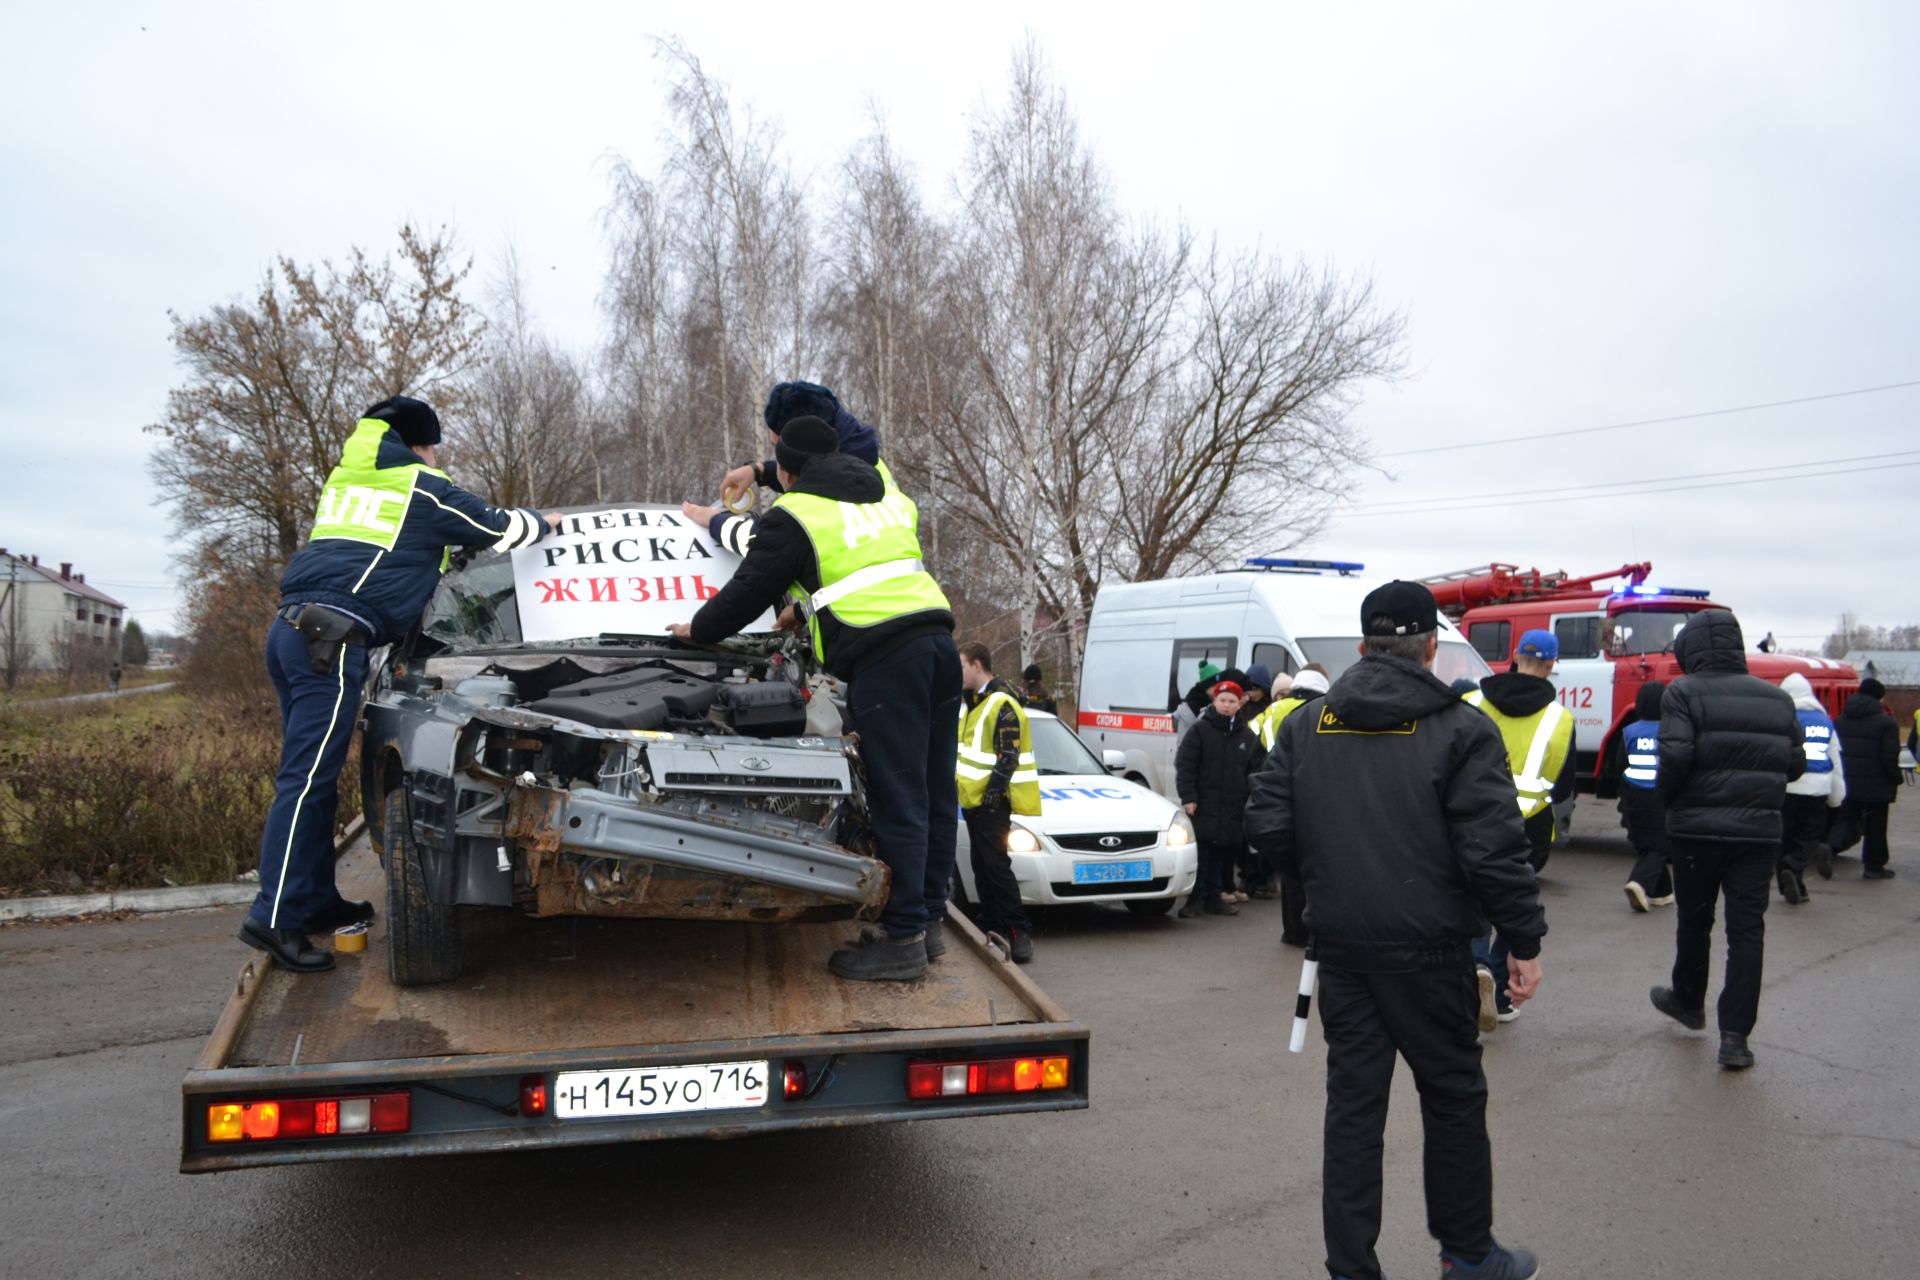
x: 1537, y: 749
x: 977, y: 757
x: 1266, y: 725
x: 363, y: 501
x: 869, y: 557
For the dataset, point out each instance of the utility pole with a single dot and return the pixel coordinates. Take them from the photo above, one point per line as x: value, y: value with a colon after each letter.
x: 10, y: 600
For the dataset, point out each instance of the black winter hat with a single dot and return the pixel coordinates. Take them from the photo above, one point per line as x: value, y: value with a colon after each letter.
x: 1873, y: 688
x: 413, y: 419
x: 1407, y: 607
x: 790, y: 400
x: 1032, y: 674
x: 803, y: 440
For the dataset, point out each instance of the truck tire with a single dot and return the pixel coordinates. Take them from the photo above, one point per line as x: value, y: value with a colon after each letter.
x: 423, y: 937
x: 1146, y: 908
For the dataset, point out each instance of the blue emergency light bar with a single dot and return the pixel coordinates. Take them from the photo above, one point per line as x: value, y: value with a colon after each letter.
x: 1342, y: 567
x: 1689, y: 593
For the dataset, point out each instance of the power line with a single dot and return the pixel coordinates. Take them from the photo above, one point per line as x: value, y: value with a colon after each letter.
x: 1650, y: 422
x: 1636, y: 493
x: 1638, y: 480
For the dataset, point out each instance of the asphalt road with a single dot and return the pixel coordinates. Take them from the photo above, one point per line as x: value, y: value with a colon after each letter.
x: 1620, y: 1149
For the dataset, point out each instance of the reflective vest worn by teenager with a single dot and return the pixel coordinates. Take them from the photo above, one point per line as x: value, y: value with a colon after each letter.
x: 974, y: 768
x: 869, y: 557
x: 1642, y: 742
x: 1537, y: 749
x: 1266, y: 725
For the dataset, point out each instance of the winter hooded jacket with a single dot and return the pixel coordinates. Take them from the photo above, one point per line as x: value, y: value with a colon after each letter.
x: 1211, y: 769
x: 1729, y: 741
x: 782, y: 554
x: 1829, y: 785
x: 1870, y: 750
x: 1391, y: 799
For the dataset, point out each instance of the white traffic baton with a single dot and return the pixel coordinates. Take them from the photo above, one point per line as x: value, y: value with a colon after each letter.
x: 1303, y: 1003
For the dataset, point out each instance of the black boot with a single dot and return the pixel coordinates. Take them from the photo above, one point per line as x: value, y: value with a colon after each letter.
x: 290, y: 948
x: 1021, y: 940
x: 1734, y: 1054
x: 1668, y: 1003
x: 339, y: 916
x: 1191, y: 909
x: 936, y: 939
x: 1790, y: 887
x: 1221, y: 907
x: 879, y: 957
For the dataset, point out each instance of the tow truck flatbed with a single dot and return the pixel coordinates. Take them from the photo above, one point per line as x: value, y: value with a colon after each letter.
x: 478, y: 1060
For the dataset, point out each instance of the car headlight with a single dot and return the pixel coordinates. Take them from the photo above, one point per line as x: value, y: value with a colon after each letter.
x: 1180, y: 833
x: 1021, y: 840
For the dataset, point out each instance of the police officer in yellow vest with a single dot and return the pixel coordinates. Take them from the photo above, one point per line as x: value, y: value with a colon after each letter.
x: 998, y: 778
x: 386, y: 520
x: 1309, y: 684
x: 1538, y: 733
x: 842, y: 544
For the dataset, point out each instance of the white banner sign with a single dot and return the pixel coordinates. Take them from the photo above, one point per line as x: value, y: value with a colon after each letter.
x: 625, y: 571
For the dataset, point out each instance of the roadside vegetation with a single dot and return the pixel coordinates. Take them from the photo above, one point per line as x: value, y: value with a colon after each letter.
x: 162, y: 789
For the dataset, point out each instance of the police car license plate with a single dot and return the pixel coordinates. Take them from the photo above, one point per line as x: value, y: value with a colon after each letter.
x: 1109, y: 872
x: 647, y: 1091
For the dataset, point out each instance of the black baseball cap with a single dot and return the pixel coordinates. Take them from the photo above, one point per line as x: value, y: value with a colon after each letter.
x: 1407, y: 607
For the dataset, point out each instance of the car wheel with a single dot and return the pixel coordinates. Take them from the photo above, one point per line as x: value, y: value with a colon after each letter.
x: 423, y: 937
x: 1149, y: 907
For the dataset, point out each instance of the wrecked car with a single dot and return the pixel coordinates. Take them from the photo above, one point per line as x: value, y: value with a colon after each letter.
x: 615, y: 772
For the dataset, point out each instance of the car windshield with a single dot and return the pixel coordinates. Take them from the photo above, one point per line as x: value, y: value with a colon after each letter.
x: 1456, y: 658
x: 1644, y: 630
x: 474, y: 605
x: 1056, y: 751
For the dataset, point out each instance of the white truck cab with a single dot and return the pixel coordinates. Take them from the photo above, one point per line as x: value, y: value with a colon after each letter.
x: 1146, y: 641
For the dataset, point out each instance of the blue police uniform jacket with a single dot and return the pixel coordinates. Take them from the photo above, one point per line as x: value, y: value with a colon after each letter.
x: 386, y: 588
x: 1816, y: 732
x: 1642, y: 741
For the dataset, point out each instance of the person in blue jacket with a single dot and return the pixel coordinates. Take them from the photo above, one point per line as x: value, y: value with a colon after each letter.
x: 1633, y: 757
x: 387, y: 521
x: 785, y: 403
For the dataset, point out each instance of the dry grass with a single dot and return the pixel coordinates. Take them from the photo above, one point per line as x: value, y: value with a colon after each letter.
x: 154, y: 790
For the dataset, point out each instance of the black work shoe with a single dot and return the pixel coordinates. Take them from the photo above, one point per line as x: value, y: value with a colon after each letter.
x: 936, y: 939
x: 1668, y: 1003
x: 1790, y: 888
x: 1221, y: 907
x: 290, y: 948
x: 1191, y: 909
x: 1500, y: 1264
x: 880, y: 957
x: 1734, y: 1054
x: 1021, y: 942
x: 1823, y: 860
x: 339, y: 916
x: 1877, y: 873
x: 1264, y: 893
x: 1293, y: 939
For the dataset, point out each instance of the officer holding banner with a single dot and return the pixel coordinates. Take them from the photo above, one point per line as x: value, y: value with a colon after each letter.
x: 998, y: 778
x: 842, y: 543
x: 380, y: 540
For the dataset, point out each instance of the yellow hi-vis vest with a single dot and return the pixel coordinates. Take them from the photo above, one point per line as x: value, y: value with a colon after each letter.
x: 1266, y: 725
x: 1537, y: 748
x: 975, y: 764
x: 869, y: 557
x: 363, y: 501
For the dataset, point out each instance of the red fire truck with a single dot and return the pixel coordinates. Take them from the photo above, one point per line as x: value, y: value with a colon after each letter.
x: 1612, y: 640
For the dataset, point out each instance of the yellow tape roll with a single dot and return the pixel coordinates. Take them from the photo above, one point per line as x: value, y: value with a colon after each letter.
x: 741, y: 505
x: 351, y: 938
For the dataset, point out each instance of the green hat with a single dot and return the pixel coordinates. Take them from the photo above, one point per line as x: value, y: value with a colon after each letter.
x: 1209, y: 670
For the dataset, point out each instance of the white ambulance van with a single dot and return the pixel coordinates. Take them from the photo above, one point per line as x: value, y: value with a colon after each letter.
x: 1146, y: 641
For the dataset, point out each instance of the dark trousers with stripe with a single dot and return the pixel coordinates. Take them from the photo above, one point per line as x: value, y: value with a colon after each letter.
x: 906, y: 709
x: 1430, y: 1018
x: 317, y: 714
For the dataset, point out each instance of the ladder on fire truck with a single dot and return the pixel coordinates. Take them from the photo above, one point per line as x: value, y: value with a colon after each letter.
x: 1498, y: 583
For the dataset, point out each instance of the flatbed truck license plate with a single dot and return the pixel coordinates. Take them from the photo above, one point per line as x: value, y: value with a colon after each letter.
x: 650, y: 1091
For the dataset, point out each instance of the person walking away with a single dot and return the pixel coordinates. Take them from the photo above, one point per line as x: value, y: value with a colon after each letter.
x: 1870, y: 757
x: 1211, y: 768
x: 1812, y: 796
x: 1538, y: 733
x: 997, y: 779
x: 1633, y: 761
x: 386, y: 521
x: 1729, y: 745
x: 1308, y: 686
x: 1035, y: 696
x: 1256, y: 877
x: 113, y: 678
x: 844, y: 541
x: 1392, y: 801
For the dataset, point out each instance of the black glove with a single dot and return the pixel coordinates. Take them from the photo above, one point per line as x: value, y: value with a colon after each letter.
x: 995, y: 800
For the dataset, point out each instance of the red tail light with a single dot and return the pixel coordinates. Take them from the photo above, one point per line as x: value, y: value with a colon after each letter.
x: 991, y: 1075
x: 533, y: 1096
x: 794, y: 1081
x: 277, y: 1119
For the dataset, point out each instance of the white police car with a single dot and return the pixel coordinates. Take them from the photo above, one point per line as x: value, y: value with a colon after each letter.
x: 1097, y: 838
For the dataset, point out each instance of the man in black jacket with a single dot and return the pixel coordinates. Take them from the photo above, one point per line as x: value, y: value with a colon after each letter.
x: 843, y: 540
x: 1870, y: 754
x: 1729, y: 745
x: 1392, y: 800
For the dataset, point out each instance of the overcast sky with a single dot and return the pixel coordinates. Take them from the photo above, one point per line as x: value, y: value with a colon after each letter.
x: 1591, y: 215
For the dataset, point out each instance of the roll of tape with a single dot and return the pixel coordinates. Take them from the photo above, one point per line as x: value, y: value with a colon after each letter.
x: 351, y: 938
x: 738, y: 506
